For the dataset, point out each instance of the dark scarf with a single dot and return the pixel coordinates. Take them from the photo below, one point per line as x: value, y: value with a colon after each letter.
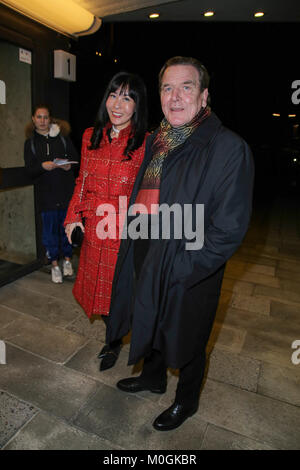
x: 166, y: 140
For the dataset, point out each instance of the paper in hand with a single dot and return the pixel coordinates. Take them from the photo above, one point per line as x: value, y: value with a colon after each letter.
x: 62, y: 161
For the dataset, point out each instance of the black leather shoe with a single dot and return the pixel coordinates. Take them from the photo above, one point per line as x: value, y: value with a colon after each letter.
x: 110, y: 358
x: 173, y: 417
x: 103, y: 351
x: 135, y: 384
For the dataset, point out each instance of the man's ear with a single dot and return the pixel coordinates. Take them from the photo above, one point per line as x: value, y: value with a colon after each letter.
x: 204, y: 97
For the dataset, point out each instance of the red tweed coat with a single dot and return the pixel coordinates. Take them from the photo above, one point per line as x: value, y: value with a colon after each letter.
x: 104, y: 176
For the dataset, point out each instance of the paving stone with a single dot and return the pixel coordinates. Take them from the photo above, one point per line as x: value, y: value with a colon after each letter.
x: 289, y: 285
x: 14, y: 413
x: 292, y: 250
x: 290, y: 275
x: 254, y: 249
x: 255, y: 323
x: 42, y: 338
x: 45, y: 432
x: 261, y: 418
x: 244, y: 267
x: 287, y: 312
x: 277, y: 294
x: 251, y: 303
x: 252, y: 277
x: 226, y: 337
x: 89, y: 328
x: 221, y: 439
x: 7, y: 316
x: 289, y: 265
x: 269, y: 346
x: 51, y: 387
x: 127, y: 419
x: 41, y: 306
x: 282, y: 383
x: 239, y: 287
x: 41, y: 282
x: 255, y: 258
x: 234, y: 369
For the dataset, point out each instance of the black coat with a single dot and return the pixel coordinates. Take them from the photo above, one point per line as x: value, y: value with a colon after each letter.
x: 55, y: 187
x: 213, y: 167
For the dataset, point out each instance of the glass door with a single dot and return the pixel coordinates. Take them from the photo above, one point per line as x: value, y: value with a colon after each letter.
x: 18, y: 228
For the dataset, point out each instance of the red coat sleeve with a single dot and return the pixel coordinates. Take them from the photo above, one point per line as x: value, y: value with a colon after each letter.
x: 79, y: 190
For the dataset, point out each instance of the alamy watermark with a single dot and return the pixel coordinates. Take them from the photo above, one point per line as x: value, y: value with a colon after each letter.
x: 296, y: 354
x: 178, y: 221
x: 2, y: 92
x: 296, y: 94
x: 2, y: 352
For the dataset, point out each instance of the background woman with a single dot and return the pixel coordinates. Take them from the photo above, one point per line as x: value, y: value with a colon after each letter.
x: 46, y: 141
x: 112, y: 153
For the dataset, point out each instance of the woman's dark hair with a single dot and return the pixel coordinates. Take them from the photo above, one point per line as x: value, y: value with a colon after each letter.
x: 41, y: 106
x: 136, y: 89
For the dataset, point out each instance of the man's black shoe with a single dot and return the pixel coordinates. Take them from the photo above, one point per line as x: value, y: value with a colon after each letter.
x: 173, y: 417
x: 135, y: 384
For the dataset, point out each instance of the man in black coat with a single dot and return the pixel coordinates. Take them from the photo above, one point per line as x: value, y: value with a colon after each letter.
x: 169, y: 271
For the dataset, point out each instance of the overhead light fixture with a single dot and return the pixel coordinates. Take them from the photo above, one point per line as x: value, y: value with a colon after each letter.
x: 152, y: 16
x: 292, y: 115
x: 64, y: 16
x: 276, y: 114
x: 209, y: 13
x: 259, y: 14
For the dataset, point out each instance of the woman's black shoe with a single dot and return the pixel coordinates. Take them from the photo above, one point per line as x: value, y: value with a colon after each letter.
x: 110, y: 358
x: 103, y: 351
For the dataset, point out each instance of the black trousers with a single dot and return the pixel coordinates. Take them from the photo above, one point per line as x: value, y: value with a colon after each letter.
x: 155, y: 369
x: 190, y: 379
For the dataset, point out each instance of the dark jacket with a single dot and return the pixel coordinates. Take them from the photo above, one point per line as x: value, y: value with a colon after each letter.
x: 213, y: 167
x: 55, y: 187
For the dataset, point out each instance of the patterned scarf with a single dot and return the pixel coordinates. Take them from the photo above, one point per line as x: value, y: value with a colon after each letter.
x: 166, y: 140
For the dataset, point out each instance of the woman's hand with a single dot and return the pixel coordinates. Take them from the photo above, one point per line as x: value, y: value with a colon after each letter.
x: 70, y: 227
x: 66, y: 167
x: 49, y: 166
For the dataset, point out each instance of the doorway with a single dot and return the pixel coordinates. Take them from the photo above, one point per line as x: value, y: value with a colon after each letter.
x: 18, y: 227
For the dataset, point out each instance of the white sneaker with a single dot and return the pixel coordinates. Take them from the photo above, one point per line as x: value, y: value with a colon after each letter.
x: 56, y: 274
x: 67, y: 268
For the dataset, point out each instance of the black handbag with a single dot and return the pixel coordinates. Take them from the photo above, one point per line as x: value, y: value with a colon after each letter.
x: 77, y: 237
x: 78, y: 234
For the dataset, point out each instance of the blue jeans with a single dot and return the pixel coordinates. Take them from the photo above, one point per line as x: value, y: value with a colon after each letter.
x: 54, y: 237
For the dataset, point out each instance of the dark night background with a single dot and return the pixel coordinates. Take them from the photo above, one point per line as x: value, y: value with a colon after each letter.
x: 252, y: 67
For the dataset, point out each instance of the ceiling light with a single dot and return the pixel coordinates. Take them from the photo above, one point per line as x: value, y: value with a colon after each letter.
x: 209, y: 13
x: 259, y: 14
x: 292, y: 115
x: 153, y: 15
x: 66, y: 17
x: 276, y: 114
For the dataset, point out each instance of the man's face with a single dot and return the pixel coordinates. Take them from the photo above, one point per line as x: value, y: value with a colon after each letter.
x: 180, y: 95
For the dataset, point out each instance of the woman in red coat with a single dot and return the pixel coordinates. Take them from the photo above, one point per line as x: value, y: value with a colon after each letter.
x: 112, y: 153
